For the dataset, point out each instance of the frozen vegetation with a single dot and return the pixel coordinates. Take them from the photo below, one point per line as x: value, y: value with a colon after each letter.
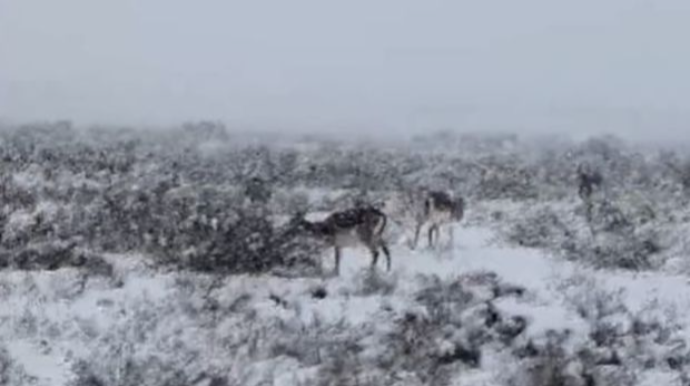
x: 151, y: 258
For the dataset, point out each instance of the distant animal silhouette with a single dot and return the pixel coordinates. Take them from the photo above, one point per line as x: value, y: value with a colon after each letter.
x: 258, y: 191
x: 437, y: 209
x: 587, y: 181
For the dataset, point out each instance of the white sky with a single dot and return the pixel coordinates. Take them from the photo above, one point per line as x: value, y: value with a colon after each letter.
x: 614, y: 65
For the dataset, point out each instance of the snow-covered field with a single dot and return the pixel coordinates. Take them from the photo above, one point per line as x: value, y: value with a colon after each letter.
x: 144, y: 325
x: 134, y: 258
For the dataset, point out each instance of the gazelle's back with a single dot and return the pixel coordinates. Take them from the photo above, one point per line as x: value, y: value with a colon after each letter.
x: 437, y: 202
x: 440, y: 201
x: 441, y: 207
x: 365, y: 221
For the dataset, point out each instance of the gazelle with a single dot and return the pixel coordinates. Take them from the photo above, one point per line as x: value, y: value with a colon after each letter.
x: 437, y: 209
x: 348, y: 228
x: 587, y: 181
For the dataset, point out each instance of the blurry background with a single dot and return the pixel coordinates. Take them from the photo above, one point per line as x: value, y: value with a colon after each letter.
x: 401, y: 66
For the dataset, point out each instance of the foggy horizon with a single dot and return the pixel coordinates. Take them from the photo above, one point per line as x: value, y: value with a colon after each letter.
x: 396, y: 67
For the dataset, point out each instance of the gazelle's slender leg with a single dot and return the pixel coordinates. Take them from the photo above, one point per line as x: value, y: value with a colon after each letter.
x: 418, y: 228
x: 432, y: 228
x: 337, y: 261
x: 374, y: 255
x: 451, y: 235
x: 386, y: 252
x: 437, y: 238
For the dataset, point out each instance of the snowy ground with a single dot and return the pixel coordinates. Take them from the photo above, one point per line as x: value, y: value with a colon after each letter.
x: 48, y: 321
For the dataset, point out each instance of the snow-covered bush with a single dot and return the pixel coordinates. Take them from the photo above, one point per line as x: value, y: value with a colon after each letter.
x: 12, y: 373
x: 632, y: 251
x: 247, y: 242
x: 150, y: 371
x: 447, y: 331
x: 618, y: 343
x: 618, y: 242
x: 55, y: 255
x: 178, y: 199
x: 612, y: 239
x: 370, y: 282
x: 544, y: 228
x: 503, y: 181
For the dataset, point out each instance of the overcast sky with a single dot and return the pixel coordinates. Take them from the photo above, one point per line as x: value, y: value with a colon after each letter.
x: 615, y: 65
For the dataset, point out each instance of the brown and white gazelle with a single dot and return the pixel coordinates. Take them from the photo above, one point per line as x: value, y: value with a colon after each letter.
x: 349, y: 228
x: 437, y: 209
